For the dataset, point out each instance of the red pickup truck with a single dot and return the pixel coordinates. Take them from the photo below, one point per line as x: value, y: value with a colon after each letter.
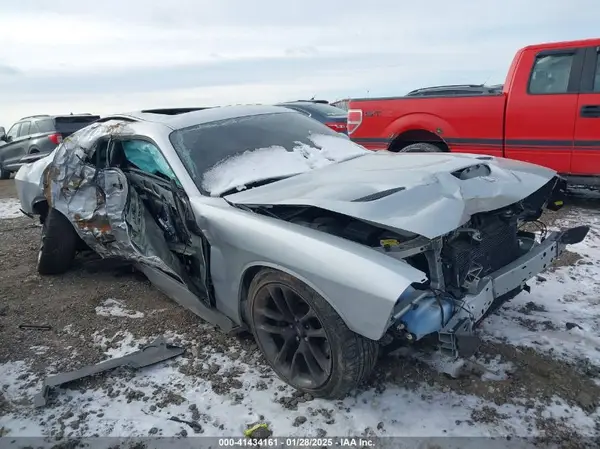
x: 547, y: 112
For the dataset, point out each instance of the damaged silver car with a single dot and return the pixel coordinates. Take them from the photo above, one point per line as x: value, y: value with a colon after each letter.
x: 259, y: 218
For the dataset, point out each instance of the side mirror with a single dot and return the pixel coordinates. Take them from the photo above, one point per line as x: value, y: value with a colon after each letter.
x: 2, y: 133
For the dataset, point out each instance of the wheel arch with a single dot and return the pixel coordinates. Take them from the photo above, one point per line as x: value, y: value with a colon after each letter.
x: 419, y: 127
x: 417, y: 136
x: 40, y: 207
x: 250, y: 272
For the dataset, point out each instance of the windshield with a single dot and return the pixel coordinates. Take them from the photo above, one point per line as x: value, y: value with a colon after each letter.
x: 233, y: 154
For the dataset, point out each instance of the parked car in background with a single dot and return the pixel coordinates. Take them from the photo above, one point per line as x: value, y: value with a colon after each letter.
x: 259, y: 218
x: 34, y: 137
x: 335, y: 118
x: 342, y: 104
x: 546, y: 112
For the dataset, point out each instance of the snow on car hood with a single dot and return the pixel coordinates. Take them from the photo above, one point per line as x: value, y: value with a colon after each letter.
x: 416, y: 192
x: 278, y: 162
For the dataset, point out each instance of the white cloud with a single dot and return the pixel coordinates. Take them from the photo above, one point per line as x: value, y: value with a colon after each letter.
x: 112, y: 56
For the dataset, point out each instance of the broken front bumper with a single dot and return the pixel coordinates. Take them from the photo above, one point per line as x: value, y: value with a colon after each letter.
x: 457, y: 336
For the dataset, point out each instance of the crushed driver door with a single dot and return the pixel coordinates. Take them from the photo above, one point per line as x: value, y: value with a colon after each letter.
x: 149, y: 216
x: 134, y: 232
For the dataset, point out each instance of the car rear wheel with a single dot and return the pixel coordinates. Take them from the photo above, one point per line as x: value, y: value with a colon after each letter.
x: 58, y: 244
x: 304, y: 340
x: 4, y: 174
x: 421, y: 147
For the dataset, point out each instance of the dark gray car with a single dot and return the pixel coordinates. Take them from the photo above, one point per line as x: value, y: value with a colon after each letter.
x: 335, y: 118
x: 34, y: 137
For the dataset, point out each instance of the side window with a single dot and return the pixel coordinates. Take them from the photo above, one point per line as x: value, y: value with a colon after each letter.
x: 550, y: 74
x: 147, y: 157
x: 24, y: 131
x: 13, y: 132
x: 597, y: 76
x: 45, y: 126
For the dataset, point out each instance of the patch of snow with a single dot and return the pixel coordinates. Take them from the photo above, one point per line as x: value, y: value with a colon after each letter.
x: 112, y: 307
x: 277, y: 162
x: 495, y: 369
x: 9, y: 208
x: 490, y: 369
x: 39, y: 350
x: 562, y: 313
x: 424, y: 412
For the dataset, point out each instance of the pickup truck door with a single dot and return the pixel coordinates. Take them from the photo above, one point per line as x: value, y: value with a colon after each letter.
x: 586, y: 149
x: 542, y: 106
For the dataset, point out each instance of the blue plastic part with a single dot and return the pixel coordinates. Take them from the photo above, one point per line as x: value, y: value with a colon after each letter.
x: 426, y: 316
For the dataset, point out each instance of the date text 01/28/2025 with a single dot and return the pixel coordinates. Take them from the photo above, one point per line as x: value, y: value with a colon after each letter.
x: 296, y: 442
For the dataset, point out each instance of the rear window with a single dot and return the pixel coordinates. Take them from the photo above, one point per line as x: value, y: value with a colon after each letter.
x: 70, y: 123
x: 284, y: 143
x: 325, y: 109
x: 45, y: 126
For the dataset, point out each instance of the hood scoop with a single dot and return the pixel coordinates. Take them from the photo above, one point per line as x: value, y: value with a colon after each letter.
x: 474, y: 171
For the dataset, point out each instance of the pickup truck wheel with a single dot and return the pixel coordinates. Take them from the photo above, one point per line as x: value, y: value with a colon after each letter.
x: 58, y: 244
x: 4, y: 174
x: 304, y: 340
x: 421, y: 148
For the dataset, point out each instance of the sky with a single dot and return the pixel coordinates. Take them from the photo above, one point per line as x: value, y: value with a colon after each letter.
x: 108, y: 56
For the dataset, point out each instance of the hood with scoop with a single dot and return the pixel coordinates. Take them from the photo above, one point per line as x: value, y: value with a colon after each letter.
x: 429, y: 194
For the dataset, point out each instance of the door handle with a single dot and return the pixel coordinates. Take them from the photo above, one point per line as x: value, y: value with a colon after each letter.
x: 590, y: 111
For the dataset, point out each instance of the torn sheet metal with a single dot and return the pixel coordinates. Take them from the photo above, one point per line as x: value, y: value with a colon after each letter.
x: 155, y: 352
x: 108, y: 215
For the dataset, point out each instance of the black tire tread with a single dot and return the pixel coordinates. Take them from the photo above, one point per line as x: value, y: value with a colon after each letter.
x: 59, y: 244
x: 358, y: 355
x: 421, y: 147
x: 4, y: 174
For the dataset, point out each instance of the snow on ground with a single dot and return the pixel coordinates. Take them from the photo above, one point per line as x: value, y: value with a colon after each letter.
x: 113, y: 307
x: 224, y: 392
x: 10, y: 208
x: 126, y: 410
x: 562, y: 313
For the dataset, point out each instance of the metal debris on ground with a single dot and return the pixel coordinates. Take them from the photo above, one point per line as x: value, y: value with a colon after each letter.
x: 196, y: 427
x: 37, y: 327
x: 155, y: 352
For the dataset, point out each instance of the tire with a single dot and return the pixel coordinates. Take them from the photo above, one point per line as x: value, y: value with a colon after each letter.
x: 4, y: 174
x: 58, y: 244
x: 348, y: 356
x: 421, y: 147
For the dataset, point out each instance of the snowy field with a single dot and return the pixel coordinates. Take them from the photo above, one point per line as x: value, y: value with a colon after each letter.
x: 539, y: 370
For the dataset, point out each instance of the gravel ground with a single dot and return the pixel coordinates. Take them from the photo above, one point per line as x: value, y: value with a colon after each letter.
x: 70, y: 304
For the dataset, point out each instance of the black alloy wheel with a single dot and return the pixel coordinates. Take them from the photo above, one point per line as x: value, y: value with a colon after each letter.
x: 292, y: 336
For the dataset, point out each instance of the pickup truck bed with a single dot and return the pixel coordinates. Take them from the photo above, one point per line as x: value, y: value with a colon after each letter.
x: 547, y: 112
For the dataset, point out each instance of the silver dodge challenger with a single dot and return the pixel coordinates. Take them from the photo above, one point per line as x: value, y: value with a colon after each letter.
x: 259, y: 218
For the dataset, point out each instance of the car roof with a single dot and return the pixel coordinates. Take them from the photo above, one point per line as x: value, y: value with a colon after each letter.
x: 177, y: 118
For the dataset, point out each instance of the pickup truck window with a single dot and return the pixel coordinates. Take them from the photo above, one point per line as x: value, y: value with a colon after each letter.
x: 550, y: 74
x: 597, y: 77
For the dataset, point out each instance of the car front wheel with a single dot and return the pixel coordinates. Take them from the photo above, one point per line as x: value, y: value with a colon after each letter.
x: 58, y: 244
x: 304, y: 340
